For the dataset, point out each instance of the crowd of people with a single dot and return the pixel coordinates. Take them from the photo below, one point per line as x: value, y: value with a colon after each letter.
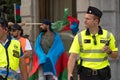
x: 93, y: 46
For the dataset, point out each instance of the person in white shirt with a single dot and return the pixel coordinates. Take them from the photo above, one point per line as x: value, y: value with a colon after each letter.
x: 17, y: 32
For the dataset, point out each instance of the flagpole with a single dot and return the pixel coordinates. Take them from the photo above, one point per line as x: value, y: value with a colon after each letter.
x: 33, y: 23
x: 15, y: 12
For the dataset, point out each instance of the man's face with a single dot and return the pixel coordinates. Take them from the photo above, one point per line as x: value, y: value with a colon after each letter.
x: 43, y: 27
x: 89, y: 21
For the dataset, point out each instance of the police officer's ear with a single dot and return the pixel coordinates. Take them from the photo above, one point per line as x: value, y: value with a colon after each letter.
x: 97, y: 19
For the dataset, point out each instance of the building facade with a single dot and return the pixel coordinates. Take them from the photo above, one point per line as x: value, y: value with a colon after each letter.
x: 34, y: 11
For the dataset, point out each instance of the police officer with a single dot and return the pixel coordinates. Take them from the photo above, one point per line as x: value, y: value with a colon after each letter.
x: 10, y: 55
x: 94, y: 45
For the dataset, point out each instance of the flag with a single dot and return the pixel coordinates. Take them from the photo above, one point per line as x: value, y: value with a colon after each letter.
x: 73, y: 25
x: 17, y: 9
x: 17, y: 13
x: 58, y: 25
x: 34, y: 74
x: 67, y: 23
x: 61, y: 67
x: 57, y: 65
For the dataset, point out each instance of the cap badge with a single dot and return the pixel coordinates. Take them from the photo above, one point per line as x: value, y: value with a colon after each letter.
x: 90, y: 11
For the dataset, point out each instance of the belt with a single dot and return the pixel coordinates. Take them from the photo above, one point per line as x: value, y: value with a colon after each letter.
x: 89, y: 72
x: 11, y: 75
x: 94, y: 72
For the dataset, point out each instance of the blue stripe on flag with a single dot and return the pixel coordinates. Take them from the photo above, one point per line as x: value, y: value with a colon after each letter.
x: 17, y: 7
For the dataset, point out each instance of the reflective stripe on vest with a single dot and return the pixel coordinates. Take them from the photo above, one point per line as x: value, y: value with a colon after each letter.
x: 92, y: 51
x: 94, y: 60
x: 12, y: 74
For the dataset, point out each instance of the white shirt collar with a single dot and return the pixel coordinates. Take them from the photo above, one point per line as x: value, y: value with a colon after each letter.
x: 3, y: 43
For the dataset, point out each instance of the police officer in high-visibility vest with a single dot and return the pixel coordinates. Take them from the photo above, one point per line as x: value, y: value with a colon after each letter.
x: 10, y: 55
x: 93, y: 45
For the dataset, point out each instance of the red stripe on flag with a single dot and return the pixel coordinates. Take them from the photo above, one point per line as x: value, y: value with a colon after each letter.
x: 61, y: 64
x: 67, y: 27
x: 17, y: 12
x: 35, y: 63
x: 72, y: 19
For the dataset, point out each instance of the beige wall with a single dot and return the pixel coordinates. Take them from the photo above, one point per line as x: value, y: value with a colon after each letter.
x: 29, y: 13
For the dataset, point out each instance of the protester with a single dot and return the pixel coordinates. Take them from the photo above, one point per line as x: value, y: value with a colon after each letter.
x: 48, y: 49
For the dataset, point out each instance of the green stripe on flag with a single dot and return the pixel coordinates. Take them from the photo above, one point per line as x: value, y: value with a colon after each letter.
x: 34, y: 76
x: 58, y: 25
x: 18, y: 18
x: 63, y: 75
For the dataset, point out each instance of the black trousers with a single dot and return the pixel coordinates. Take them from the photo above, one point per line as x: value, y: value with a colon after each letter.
x: 89, y: 74
x: 94, y: 77
x: 49, y: 77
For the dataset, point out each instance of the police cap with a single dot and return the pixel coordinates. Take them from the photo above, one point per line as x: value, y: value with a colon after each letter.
x: 95, y: 11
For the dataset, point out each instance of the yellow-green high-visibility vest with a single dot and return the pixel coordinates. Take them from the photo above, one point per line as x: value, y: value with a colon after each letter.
x: 13, y: 55
x: 92, y: 55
